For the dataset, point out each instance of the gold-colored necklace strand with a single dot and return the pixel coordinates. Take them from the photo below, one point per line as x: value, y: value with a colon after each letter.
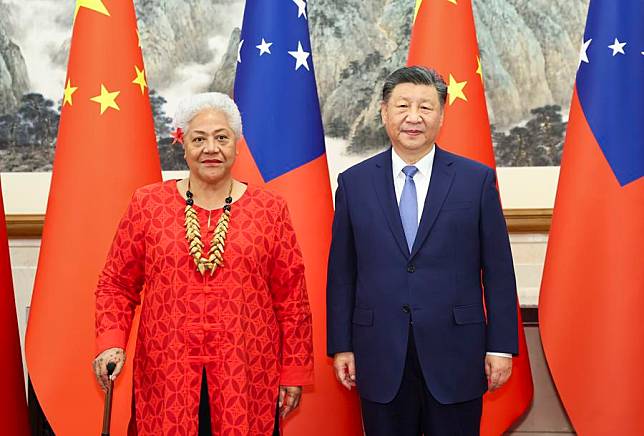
x: 193, y: 235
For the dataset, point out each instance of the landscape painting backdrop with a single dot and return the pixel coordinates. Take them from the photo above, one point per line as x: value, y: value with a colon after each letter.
x: 529, y: 52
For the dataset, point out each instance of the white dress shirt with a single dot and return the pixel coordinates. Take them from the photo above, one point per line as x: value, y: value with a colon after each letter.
x: 421, y: 180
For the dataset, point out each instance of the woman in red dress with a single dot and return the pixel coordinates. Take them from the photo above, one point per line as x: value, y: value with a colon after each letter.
x: 225, y: 332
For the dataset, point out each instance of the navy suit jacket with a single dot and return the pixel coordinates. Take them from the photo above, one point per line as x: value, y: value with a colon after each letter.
x: 376, y: 287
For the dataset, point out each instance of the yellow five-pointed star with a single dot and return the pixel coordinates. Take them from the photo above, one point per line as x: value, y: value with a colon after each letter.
x: 107, y: 99
x: 418, y: 2
x: 455, y: 89
x: 94, y: 5
x: 69, y: 91
x: 479, y: 70
x: 452, y: 1
x: 140, y: 79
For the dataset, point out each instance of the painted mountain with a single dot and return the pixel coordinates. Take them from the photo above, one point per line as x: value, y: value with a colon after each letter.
x: 529, y: 51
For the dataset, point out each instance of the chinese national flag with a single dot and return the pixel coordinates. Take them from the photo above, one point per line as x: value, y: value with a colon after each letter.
x: 592, y: 290
x: 106, y: 148
x: 13, y: 412
x: 283, y: 150
x: 444, y: 38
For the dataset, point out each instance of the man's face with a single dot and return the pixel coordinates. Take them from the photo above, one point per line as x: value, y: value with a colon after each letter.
x: 412, y: 117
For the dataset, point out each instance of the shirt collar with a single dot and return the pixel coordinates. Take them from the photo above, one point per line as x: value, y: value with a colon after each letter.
x: 424, y: 165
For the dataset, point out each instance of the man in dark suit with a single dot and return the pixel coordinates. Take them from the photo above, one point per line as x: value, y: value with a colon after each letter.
x: 421, y: 295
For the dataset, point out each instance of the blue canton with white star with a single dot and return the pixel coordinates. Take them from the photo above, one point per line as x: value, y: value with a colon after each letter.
x: 275, y: 87
x: 610, y: 83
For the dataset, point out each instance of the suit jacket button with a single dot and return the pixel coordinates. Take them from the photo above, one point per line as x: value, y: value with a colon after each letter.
x: 406, y: 308
x: 411, y: 268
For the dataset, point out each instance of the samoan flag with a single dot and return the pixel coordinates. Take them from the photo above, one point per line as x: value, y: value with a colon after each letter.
x: 610, y: 83
x: 283, y: 149
x: 592, y: 290
x: 275, y: 87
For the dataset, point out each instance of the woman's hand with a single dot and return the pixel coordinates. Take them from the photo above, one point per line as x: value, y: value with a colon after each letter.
x: 116, y: 355
x: 289, y: 399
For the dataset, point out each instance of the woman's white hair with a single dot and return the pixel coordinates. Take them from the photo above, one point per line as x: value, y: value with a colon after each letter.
x: 190, y: 106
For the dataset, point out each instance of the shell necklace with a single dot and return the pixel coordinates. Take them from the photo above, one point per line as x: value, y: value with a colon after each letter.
x: 193, y: 235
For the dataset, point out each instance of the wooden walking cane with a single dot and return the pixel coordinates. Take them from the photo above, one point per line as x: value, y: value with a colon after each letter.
x: 107, y: 411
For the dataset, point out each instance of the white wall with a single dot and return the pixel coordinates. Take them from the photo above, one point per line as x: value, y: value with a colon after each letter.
x: 24, y: 258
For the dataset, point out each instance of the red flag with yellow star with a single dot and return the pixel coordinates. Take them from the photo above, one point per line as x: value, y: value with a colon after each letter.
x: 106, y: 148
x: 444, y: 38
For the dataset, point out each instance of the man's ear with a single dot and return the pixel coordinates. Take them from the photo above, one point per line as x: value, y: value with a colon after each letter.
x: 383, y: 112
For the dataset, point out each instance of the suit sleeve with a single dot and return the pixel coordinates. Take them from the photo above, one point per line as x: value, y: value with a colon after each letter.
x: 497, y: 272
x: 341, y: 279
x: 120, y: 282
x: 291, y: 305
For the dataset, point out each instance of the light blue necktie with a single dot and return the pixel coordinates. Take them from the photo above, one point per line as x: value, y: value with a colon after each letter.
x: 409, y: 206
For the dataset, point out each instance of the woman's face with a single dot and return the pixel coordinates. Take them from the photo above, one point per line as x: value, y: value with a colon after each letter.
x: 209, y: 146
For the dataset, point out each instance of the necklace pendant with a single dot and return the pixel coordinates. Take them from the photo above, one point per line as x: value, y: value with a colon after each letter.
x: 193, y: 235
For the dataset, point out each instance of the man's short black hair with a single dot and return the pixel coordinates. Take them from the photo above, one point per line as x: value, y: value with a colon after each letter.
x: 417, y: 75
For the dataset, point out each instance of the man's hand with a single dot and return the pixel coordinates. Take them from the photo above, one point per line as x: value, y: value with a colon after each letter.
x: 345, y: 369
x: 498, y: 370
x: 116, y: 355
x: 289, y: 399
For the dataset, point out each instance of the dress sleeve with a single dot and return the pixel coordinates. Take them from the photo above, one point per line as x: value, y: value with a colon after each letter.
x: 291, y: 305
x: 120, y: 283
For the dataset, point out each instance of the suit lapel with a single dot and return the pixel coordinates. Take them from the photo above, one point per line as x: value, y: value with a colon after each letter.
x: 439, y: 185
x: 383, y: 180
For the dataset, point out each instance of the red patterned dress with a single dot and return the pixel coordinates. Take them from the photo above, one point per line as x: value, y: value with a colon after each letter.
x: 248, y: 326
